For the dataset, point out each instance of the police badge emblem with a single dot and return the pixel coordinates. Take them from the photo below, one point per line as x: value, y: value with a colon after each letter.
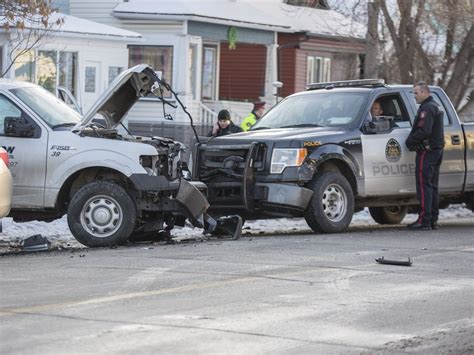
x: 393, y: 151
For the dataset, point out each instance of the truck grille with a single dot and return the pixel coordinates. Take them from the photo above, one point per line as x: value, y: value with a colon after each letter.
x: 227, y: 163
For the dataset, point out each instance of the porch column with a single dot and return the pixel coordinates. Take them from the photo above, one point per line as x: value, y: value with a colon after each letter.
x: 271, y: 75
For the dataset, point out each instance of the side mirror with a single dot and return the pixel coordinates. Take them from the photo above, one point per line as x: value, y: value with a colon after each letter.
x: 18, y: 127
x: 379, y: 126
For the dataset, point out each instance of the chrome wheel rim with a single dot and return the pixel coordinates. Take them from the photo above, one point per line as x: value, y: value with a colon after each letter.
x: 334, y: 202
x: 101, y: 216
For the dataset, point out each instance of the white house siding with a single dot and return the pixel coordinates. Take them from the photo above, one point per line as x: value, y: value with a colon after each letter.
x: 95, y: 10
x: 103, y: 52
x: 167, y: 33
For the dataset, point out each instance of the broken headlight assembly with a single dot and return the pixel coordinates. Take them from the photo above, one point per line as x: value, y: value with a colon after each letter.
x: 281, y: 158
x: 148, y: 163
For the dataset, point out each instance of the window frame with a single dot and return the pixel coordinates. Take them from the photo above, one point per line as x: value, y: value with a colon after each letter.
x: 320, y: 73
x: 34, y: 63
x: 169, y: 80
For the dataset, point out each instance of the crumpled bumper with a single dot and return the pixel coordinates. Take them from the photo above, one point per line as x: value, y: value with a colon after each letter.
x: 285, y: 195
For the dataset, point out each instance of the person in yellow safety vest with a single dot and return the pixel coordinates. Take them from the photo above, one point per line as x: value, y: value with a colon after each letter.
x: 251, y: 119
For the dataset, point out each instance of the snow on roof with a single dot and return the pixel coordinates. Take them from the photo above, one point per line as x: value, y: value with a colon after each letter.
x: 273, y: 14
x: 313, y: 21
x: 79, y: 26
x: 245, y: 14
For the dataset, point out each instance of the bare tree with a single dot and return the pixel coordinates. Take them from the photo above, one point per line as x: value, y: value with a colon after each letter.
x: 419, y: 28
x: 29, y: 23
x: 372, y: 40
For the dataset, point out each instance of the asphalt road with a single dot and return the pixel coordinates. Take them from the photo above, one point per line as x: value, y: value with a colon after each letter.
x: 261, y: 294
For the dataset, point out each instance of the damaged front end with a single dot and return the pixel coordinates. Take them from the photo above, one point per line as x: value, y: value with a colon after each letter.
x: 166, y: 198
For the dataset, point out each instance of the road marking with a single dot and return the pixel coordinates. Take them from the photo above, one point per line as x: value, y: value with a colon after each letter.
x: 126, y: 296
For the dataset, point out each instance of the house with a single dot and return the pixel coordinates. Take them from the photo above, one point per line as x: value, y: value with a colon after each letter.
x: 81, y: 55
x: 215, y: 54
x: 324, y: 45
x: 225, y: 53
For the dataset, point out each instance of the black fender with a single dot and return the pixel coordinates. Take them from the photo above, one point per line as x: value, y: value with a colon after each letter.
x: 331, y: 152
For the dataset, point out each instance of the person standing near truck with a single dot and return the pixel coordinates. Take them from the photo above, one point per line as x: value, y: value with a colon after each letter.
x: 224, y: 125
x: 254, y: 116
x: 427, y: 139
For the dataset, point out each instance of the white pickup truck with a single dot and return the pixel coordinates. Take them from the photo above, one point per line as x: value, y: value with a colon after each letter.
x: 110, y: 185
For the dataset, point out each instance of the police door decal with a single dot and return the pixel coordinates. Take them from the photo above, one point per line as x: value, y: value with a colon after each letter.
x: 389, y: 167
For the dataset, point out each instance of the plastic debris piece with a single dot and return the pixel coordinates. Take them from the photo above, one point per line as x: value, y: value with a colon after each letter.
x: 382, y: 260
x: 36, y: 243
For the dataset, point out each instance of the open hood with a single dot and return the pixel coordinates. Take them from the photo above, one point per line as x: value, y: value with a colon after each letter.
x: 121, y: 95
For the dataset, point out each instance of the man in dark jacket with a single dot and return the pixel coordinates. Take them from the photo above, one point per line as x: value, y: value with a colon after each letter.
x: 224, y: 125
x: 427, y: 139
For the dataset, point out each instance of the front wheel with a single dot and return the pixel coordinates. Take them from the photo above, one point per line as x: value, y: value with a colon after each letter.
x: 388, y: 215
x: 332, y: 204
x: 101, y: 214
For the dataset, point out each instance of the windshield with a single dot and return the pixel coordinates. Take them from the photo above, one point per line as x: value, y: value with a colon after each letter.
x: 52, y: 110
x: 329, y: 109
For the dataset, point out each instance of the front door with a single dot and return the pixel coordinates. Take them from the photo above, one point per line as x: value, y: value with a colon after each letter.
x: 92, y: 84
x: 27, y: 157
x: 389, y: 167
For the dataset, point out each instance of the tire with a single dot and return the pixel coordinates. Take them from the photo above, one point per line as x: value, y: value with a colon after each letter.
x: 101, y: 214
x: 332, y: 205
x: 389, y: 214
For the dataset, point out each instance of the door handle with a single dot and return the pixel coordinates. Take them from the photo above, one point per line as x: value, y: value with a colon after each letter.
x: 455, y: 140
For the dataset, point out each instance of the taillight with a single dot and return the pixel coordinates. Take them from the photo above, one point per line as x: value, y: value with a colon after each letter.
x: 4, y: 157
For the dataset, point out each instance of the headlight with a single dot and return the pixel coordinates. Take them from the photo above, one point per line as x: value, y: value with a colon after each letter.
x: 281, y: 158
x: 147, y: 162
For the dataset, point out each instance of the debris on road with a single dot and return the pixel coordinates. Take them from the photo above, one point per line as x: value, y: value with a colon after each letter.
x: 36, y: 243
x: 382, y: 260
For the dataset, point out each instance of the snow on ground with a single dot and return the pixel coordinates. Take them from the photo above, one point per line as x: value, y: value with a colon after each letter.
x: 57, y: 232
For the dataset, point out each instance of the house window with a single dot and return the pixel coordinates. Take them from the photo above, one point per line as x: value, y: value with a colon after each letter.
x: 193, y: 69
x: 48, y: 69
x: 209, y: 64
x: 90, y: 79
x: 114, y: 72
x: 159, y: 57
x: 67, y: 70
x: 24, y: 66
x: 318, y: 70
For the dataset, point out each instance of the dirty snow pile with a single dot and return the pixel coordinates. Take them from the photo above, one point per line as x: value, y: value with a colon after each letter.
x: 58, y: 234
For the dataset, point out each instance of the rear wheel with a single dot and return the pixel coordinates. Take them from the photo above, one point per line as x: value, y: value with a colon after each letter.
x: 332, y: 204
x: 388, y: 215
x: 101, y: 214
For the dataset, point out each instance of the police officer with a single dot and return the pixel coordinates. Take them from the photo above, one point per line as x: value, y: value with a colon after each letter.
x: 427, y: 139
x: 251, y: 119
x: 224, y: 125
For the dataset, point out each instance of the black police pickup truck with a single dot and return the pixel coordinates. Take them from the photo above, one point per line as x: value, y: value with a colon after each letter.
x: 320, y: 155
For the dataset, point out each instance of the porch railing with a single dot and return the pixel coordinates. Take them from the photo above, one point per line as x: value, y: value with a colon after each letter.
x: 207, y: 116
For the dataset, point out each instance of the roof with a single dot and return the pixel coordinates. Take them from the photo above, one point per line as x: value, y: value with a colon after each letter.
x: 271, y: 15
x: 230, y: 12
x: 74, y: 26
x: 319, y: 22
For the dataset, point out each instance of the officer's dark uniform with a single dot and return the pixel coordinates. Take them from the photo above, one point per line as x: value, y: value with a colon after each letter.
x: 427, y: 139
x: 231, y: 128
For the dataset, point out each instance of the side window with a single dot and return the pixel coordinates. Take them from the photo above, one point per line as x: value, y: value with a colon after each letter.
x: 446, y: 120
x: 7, y: 109
x: 391, y: 107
